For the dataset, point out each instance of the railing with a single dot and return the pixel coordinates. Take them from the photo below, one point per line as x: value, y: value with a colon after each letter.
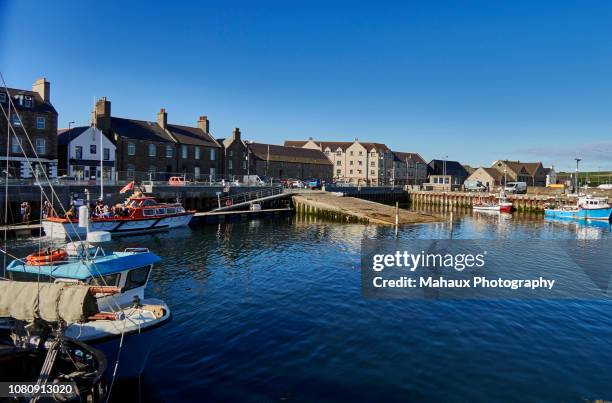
x: 229, y: 201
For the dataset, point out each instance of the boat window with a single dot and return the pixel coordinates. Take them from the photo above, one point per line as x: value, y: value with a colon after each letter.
x: 111, y: 280
x: 170, y: 211
x: 149, y: 202
x: 181, y: 210
x: 161, y: 211
x: 136, y: 278
x: 23, y: 276
x: 148, y: 212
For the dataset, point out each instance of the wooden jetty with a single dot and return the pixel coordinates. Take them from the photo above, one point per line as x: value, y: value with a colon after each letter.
x: 356, y: 210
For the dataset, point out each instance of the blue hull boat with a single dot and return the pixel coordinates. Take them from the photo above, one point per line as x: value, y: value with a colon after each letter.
x: 587, y: 208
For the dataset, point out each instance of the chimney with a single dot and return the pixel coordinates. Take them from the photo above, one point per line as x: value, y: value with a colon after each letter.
x: 310, y: 138
x: 204, y: 124
x: 102, y: 114
x: 43, y: 88
x: 236, y: 134
x: 162, y: 118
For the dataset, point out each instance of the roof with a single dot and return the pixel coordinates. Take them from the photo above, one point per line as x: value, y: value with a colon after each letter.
x: 334, y: 145
x: 192, y: 135
x: 140, y: 130
x: 453, y: 168
x: 403, y: 157
x: 274, y: 152
x: 493, y: 173
x: 295, y: 143
x: 377, y: 146
x: 108, y: 264
x: 64, y: 136
x: 40, y: 106
x: 517, y: 166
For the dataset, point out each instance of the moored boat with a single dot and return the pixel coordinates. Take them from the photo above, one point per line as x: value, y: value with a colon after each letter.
x: 502, y: 204
x: 123, y: 328
x: 587, y: 208
x: 137, y: 215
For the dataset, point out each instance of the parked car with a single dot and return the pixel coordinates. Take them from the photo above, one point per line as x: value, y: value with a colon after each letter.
x: 474, y: 186
x: 516, y: 187
x: 252, y: 180
x: 177, y: 181
x: 313, y: 183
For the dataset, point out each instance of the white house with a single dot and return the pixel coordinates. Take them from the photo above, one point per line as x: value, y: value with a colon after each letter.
x: 82, y: 150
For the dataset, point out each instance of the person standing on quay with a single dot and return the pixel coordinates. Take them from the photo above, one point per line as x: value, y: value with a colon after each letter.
x: 25, y: 212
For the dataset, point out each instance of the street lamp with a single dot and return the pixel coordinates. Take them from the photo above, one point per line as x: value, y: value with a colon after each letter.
x: 577, y: 162
x: 69, y: 145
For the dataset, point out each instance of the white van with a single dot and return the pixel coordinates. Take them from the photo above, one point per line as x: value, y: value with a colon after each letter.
x: 516, y: 187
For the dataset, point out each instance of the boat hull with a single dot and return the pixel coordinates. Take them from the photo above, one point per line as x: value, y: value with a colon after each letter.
x: 66, y: 230
x: 603, y: 214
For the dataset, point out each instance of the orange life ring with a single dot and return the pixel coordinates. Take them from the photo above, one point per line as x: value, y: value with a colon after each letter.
x: 43, y: 257
x: 229, y: 202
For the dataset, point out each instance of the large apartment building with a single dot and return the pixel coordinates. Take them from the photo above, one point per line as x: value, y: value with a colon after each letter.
x: 31, y: 112
x: 354, y: 162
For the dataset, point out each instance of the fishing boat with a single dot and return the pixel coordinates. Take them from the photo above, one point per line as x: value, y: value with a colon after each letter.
x: 501, y: 204
x: 125, y: 323
x: 587, y: 208
x: 138, y: 215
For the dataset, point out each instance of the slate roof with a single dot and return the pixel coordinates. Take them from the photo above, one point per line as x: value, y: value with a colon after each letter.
x: 295, y: 143
x: 192, y: 135
x: 39, y: 106
x: 402, y: 157
x: 454, y: 168
x: 288, y: 154
x: 64, y: 135
x: 377, y: 146
x: 494, y: 173
x: 517, y: 166
x: 140, y: 130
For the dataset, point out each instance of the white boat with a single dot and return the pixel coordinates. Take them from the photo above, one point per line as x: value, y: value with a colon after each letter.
x: 502, y: 204
x: 125, y: 325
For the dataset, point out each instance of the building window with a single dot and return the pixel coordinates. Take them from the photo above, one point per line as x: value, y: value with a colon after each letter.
x: 213, y: 154
x: 16, y: 145
x: 327, y: 152
x: 229, y: 164
x: 359, y: 171
x: 78, y: 152
x: 196, y: 152
x: 196, y: 173
x: 244, y: 165
x: 338, y: 172
x: 339, y: 163
x: 28, y: 102
x: 372, y: 172
x: 351, y: 162
x: 93, y: 149
x: 106, y: 154
x: 41, y: 146
x: 152, y: 171
x: 212, y: 172
x: 338, y: 153
x: 131, y: 149
x: 2, y: 97
x: 184, y: 151
x: 168, y: 151
x: 16, y: 121
x: 360, y: 162
x: 40, y: 122
x: 372, y: 164
x: 152, y: 150
x: 230, y: 153
x: 360, y: 153
x: 351, y: 171
x: 130, y: 171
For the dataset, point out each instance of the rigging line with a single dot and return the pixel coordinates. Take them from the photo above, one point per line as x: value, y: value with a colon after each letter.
x: 6, y: 179
x: 110, y: 388
x: 10, y: 101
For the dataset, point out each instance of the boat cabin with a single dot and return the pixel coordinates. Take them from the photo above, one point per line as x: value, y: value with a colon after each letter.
x: 150, y: 207
x: 128, y: 270
x: 593, y: 203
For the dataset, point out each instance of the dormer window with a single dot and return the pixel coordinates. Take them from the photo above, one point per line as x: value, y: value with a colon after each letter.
x: 27, y: 102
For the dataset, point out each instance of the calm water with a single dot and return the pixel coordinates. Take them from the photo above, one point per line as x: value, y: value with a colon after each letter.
x: 272, y: 310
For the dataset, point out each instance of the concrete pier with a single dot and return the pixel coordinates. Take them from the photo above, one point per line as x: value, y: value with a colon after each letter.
x: 351, y: 209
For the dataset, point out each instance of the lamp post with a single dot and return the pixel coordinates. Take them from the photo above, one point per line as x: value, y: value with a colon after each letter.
x: 69, y: 145
x: 577, y: 162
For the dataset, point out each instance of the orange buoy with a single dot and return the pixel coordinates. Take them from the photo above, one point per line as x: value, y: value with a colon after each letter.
x: 45, y: 257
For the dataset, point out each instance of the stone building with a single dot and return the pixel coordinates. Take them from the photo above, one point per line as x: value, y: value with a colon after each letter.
x: 409, y: 169
x: 157, y: 150
x: 31, y: 112
x: 489, y: 177
x: 532, y: 173
x: 234, y: 156
x: 274, y: 161
x: 354, y: 162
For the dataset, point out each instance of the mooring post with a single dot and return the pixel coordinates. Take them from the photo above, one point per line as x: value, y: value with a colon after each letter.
x: 396, y: 218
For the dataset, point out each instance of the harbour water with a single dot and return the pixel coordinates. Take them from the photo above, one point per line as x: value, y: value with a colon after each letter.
x: 272, y: 310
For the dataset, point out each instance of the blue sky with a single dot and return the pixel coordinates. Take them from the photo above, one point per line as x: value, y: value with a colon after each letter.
x: 476, y: 81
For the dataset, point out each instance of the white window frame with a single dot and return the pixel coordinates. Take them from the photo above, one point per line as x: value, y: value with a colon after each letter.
x: 27, y: 101
x: 40, y: 122
x: 131, y: 148
x: 16, y: 145
x: 197, y: 152
x: 184, y: 151
x: 196, y: 172
x: 152, y: 150
x: 76, y: 152
x: 213, y: 154
x: 41, y: 146
x: 16, y: 120
x: 106, y: 154
x: 169, y: 151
